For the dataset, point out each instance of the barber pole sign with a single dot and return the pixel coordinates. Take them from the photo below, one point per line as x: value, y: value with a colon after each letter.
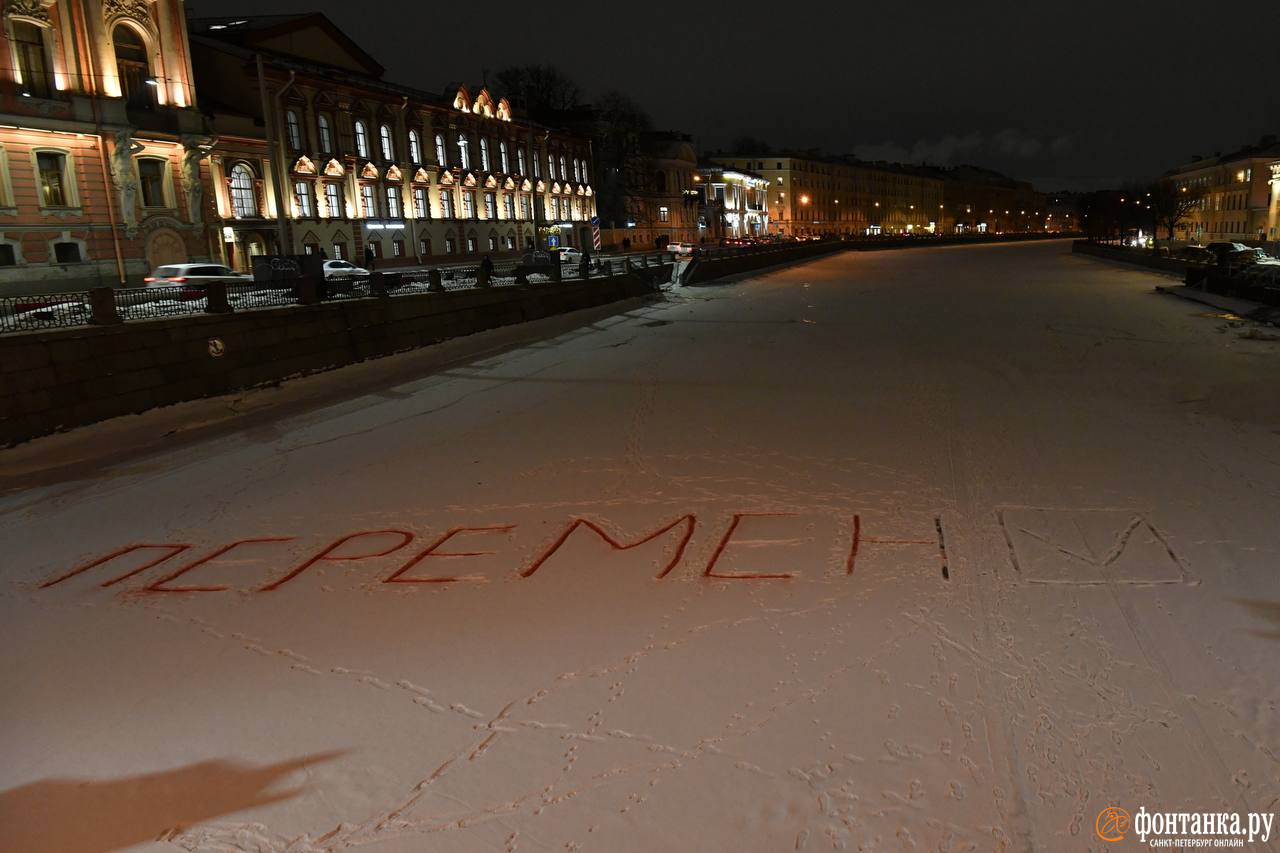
x: 595, y: 233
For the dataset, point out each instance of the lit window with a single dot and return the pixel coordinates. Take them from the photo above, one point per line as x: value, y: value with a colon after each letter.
x: 151, y: 181
x: 484, y: 154
x: 244, y: 199
x: 28, y: 47
x: 509, y: 206
x: 520, y: 161
x: 53, y: 169
x: 326, y: 134
x: 333, y: 199
x: 397, y: 248
x: 464, y: 151
x: 450, y: 246
x: 415, y: 147
x: 369, y: 200
x: 439, y: 149
x: 362, y: 140
x: 468, y: 204
x: 524, y: 207
x: 551, y: 166
x: 424, y: 246
x: 339, y: 251
x: 420, y: 202
x: 664, y: 215
x: 564, y: 173
x: 577, y: 170
x: 446, y: 203
x: 294, y: 128
x: 502, y: 154
x: 388, y: 150
x: 393, y: 202
x: 493, y: 244
x: 585, y: 179
x: 490, y: 206
x: 306, y: 204
x: 471, y: 245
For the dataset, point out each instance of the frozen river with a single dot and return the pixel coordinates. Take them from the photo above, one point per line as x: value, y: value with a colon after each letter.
x: 936, y: 550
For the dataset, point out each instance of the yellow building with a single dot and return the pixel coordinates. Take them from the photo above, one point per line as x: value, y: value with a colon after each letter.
x: 1239, y: 195
x: 318, y: 155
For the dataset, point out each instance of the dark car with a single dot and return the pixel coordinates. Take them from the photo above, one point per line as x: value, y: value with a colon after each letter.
x: 1196, y: 255
x: 534, y: 263
x: 1224, y: 251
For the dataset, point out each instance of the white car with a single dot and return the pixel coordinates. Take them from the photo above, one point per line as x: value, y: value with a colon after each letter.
x: 338, y: 269
x: 570, y: 255
x: 193, y: 274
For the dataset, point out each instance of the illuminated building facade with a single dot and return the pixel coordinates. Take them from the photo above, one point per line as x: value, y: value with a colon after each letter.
x: 102, y: 150
x: 734, y: 203
x: 318, y: 155
x: 1239, y: 195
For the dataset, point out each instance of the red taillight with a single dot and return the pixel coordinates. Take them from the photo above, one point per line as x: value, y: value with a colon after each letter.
x: 177, y: 279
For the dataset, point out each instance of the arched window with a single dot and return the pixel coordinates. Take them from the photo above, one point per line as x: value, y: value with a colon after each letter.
x: 415, y: 147
x: 33, y: 63
x: 521, y: 165
x: 585, y: 179
x: 564, y: 173
x: 502, y: 155
x: 326, y: 134
x: 136, y: 82
x: 577, y: 170
x: 440, y: 159
x: 464, y: 151
x: 388, y: 150
x: 484, y: 153
x: 362, y: 140
x: 293, y: 125
x: 551, y: 167
x: 244, y: 199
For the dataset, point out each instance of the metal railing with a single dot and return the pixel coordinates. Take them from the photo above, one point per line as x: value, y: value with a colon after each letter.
x: 60, y: 310
x: 52, y: 311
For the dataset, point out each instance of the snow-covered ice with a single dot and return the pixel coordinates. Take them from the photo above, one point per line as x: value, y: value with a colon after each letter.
x: 933, y: 550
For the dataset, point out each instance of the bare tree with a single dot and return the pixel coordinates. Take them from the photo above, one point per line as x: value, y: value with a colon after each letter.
x: 1172, y: 204
x: 541, y: 90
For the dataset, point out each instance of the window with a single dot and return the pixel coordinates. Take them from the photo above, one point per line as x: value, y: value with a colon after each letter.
x: 369, y: 200
x: 397, y: 248
x: 388, y: 150
x: 326, y: 134
x: 333, y: 200
x: 468, y: 204
x: 293, y: 127
x: 450, y: 246
x: 339, y: 251
x: 551, y: 167
x: 28, y: 48
x: 415, y: 147
x: 424, y: 246
x: 471, y: 245
x: 306, y: 203
x: 484, y: 154
x: 493, y: 244
x: 420, y: 203
x: 464, y: 151
x: 151, y: 180
x: 510, y: 242
x: 136, y: 83
x: 577, y: 170
x: 439, y: 149
x: 7, y: 256
x: 244, y: 200
x: 393, y: 202
x: 375, y: 248
x: 67, y: 253
x: 446, y: 203
x: 585, y: 179
x: 362, y: 140
x: 664, y: 215
x: 53, y: 176
x: 524, y: 207
x: 520, y: 162
x: 508, y: 206
x: 502, y: 155
x: 490, y: 205
x: 311, y: 248
x: 564, y: 173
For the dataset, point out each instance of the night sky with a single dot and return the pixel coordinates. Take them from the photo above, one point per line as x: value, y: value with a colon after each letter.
x: 1066, y: 95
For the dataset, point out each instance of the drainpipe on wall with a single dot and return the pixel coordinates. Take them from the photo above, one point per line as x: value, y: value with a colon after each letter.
x: 108, y: 190
x: 274, y: 153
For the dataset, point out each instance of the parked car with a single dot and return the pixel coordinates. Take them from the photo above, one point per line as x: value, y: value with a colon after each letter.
x: 1224, y: 250
x: 570, y: 255
x: 1258, y: 255
x: 193, y: 275
x: 338, y: 269
x: 533, y: 263
x: 680, y: 248
x: 1196, y: 254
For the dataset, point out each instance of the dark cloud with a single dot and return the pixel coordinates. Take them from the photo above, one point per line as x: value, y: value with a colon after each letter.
x: 1072, y: 93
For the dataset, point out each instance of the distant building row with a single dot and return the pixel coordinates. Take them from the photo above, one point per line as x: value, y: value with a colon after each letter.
x: 1238, y: 195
